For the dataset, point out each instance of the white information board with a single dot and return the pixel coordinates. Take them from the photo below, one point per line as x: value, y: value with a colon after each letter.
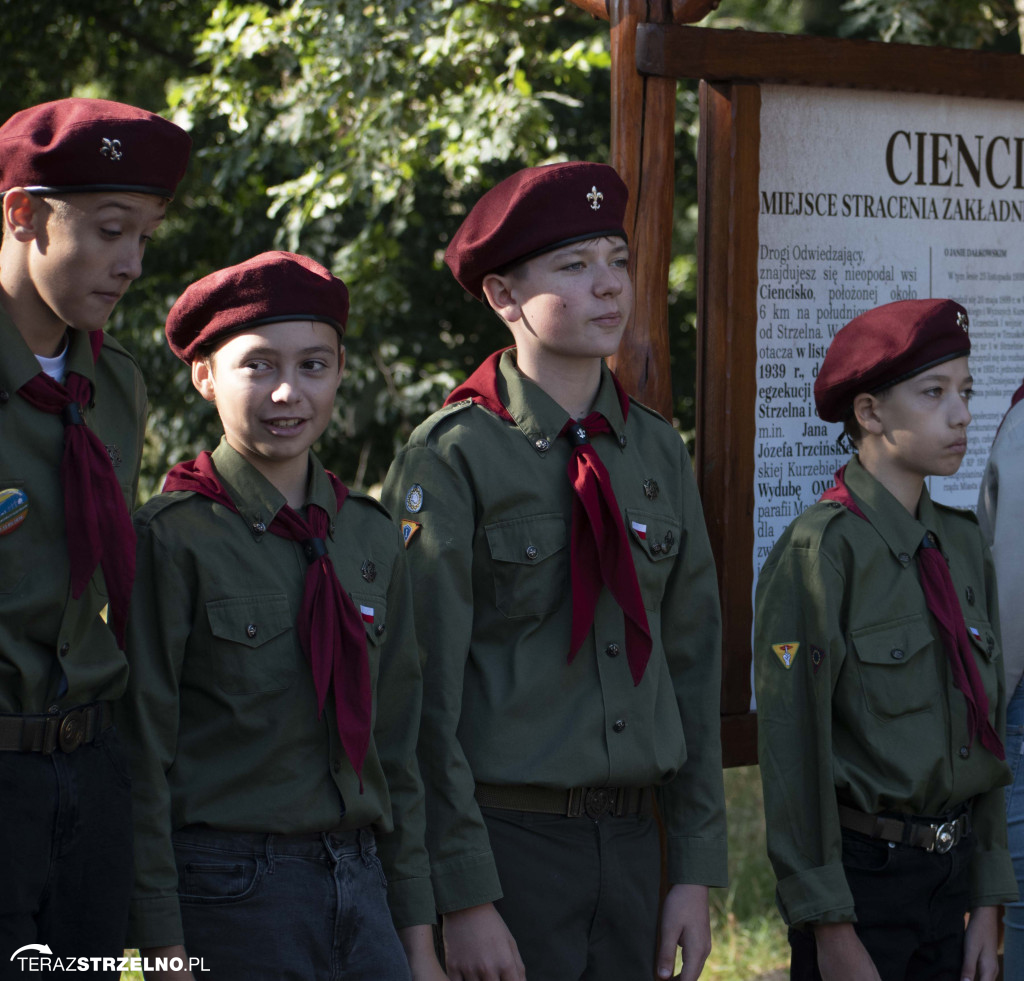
x: 866, y: 198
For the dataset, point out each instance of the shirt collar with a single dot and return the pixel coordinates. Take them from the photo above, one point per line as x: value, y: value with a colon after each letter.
x: 256, y: 498
x: 899, y: 529
x: 539, y: 417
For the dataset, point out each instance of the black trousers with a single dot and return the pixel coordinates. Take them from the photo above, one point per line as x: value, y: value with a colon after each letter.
x: 580, y: 896
x: 910, y: 907
x: 65, y: 854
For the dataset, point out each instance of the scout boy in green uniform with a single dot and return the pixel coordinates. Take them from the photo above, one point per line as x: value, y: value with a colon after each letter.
x: 85, y: 183
x: 879, y: 676
x: 567, y: 605
x: 275, y: 687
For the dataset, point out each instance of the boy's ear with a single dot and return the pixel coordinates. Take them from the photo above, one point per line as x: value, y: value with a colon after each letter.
x: 501, y: 295
x: 865, y: 410
x: 22, y: 212
x: 202, y: 379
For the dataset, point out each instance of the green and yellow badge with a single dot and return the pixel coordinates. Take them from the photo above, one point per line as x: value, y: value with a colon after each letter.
x: 785, y: 653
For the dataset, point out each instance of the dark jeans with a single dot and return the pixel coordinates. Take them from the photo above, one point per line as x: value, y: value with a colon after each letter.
x: 287, y: 907
x: 910, y: 907
x: 65, y: 853
x: 580, y: 896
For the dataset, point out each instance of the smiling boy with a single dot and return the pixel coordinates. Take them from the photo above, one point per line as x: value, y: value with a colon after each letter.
x: 879, y: 676
x: 275, y: 687
x: 85, y: 183
x: 572, y: 669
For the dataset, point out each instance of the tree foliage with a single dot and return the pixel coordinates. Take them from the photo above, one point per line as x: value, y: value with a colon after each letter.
x: 359, y: 133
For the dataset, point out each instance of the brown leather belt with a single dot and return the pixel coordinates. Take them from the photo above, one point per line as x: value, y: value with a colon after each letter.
x: 592, y: 802
x: 45, y: 734
x: 931, y: 834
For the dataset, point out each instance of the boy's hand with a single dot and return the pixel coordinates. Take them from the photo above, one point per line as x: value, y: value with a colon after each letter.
x: 981, y: 961
x: 479, y: 947
x: 170, y: 953
x: 686, y: 923
x: 841, y: 955
x: 418, y: 942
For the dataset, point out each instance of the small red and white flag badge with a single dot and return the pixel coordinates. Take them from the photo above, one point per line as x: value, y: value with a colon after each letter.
x: 975, y: 633
x: 785, y: 653
x: 367, y: 612
x: 817, y: 657
x: 409, y: 530
x: 640, y: 529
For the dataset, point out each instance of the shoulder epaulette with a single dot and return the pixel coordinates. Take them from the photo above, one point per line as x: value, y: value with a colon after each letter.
x: 959, y: 512
x: 637, y: 404
x: 157, y: 504
x: 809, y: 528
x: 111, y: 346
x: 369, y: 499
x: 423, y: 431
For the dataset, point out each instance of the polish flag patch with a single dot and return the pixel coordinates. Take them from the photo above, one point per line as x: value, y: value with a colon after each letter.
x: 640, y: 529
x: 367, y: 612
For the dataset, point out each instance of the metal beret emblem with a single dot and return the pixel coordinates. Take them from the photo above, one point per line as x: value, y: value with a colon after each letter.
x: 111, y: 149
x: 962, y: 321
x: 595, y: 197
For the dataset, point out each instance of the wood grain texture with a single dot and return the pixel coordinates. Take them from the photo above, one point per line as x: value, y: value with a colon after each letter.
x: 677, y: 51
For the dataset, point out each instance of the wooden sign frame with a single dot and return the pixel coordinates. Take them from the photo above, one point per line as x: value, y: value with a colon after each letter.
x: 651, y: 48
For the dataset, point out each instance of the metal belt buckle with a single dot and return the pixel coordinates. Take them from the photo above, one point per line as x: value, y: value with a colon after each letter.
x: 598, y: 801
x: 946, y: 836
x: 72, y: 731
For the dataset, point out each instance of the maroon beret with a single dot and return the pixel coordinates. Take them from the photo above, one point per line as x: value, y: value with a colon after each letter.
x: 269, y: 288
x: 887, y: 345
x: 534, y: 211
x: 91, y: 145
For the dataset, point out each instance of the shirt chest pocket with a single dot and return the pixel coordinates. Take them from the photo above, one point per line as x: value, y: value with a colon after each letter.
x: 897, y: 667
x: 529, y: 561
x: 254, y: 647
x: 657, y: 536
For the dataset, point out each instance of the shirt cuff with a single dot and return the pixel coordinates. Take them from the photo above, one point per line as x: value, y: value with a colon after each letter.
x: 155, y: 922
x: 465, y: 882
x: 819, y: 895
x: 411, y: 902
x: 698, y: 861
x: 992, y: 878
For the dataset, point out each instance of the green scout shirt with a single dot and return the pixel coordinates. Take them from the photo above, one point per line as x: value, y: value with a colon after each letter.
x: 490, y: 566
x: 222, y: 728
x: 45, y: 634
x: 866, y: 711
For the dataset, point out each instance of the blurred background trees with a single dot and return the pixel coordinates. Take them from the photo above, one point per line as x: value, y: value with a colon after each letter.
x: 358, y: 133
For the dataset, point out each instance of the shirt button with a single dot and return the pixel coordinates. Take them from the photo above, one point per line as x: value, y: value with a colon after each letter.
x: 4, y: 396
x: 620, y: 724
x: 903, y: 557
x: 896, y: 654
x: 542, y: 444
x: 964, y: 752
x: 259, y: 527
x: 379, y: 629
x: 64, y: 648
x: 970, y: 596
x: 532, y: 551
x: 54, y: 710
x: 336, y: 765
x: 250, y: 631
x: 612, y: 650
x: 622, y: 441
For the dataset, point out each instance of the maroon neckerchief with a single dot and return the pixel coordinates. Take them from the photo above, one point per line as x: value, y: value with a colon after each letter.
x: 943, y: 604
x: 97, y: 521
x: 600, y: 553
x: 330, y: 627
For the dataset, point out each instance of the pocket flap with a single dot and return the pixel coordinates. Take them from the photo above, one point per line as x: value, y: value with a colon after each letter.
x: 250, y: 620
x: 892, y: 643
x: 372, y: 608
x: 657, y: 534
x: 526, y: 540
x: 982, y: 637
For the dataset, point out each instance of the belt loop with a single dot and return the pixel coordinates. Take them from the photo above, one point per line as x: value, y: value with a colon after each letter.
x: 51, y: 731
x: 366, y: 846
x: 575, y: 805
x: 268, y: 851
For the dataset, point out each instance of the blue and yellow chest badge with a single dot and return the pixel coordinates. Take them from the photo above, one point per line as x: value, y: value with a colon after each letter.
x: 13, y: 509
x: 414, y: 499
x: 409, y: 530
x: 786, y: 653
